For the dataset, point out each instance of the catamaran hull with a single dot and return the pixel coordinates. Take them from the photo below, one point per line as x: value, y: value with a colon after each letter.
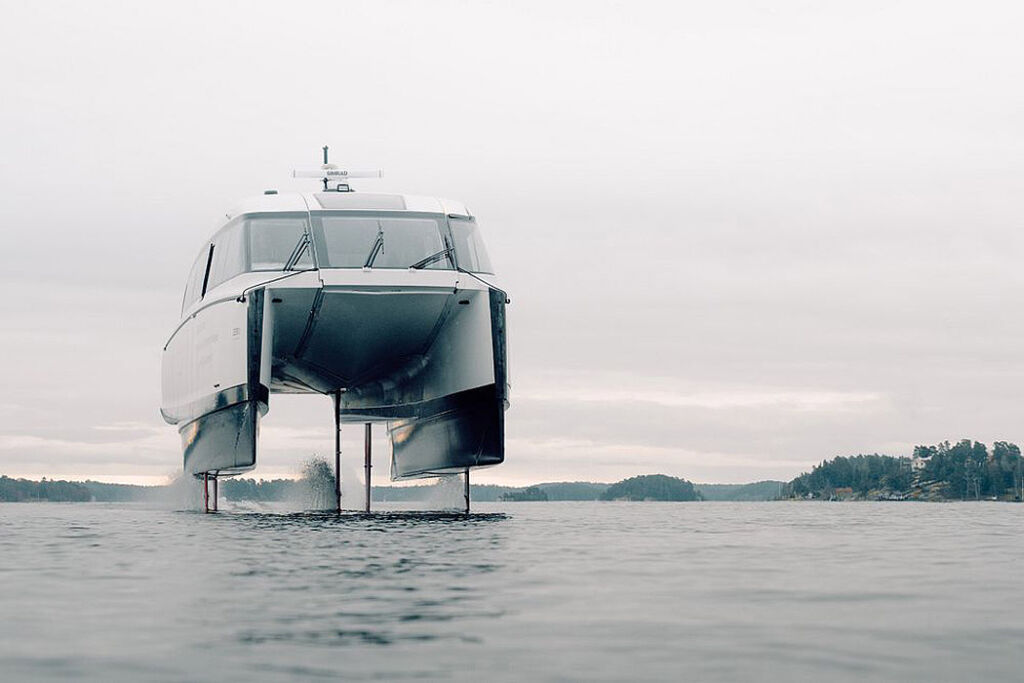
x: 427, y: 357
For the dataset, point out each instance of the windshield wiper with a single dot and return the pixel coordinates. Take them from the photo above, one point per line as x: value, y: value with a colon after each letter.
x: 377, y: 246
x: 297, y: 253
x: 431, y: 259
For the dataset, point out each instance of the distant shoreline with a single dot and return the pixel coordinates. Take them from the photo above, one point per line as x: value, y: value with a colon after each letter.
x: 966, y: 470
x: 640, y: 488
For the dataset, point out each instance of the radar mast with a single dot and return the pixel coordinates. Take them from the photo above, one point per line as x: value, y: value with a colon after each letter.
x: 335, y: 178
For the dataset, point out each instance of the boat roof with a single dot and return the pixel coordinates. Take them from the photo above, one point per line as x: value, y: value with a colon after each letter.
x: 346, y: 201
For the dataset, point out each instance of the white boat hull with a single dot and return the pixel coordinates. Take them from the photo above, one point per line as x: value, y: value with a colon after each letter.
x: 424, y: 351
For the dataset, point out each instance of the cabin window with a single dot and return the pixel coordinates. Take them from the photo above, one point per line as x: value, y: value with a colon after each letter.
x: 381, y: 242
x: 194, y: 285
x: 250, y: 243
x: 228, y: 254
x: 278, y: 242
x: 469, y: 246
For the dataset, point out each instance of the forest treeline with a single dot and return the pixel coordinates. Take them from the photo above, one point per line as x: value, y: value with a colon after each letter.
x: 964, y: 470
x: 18, y: 490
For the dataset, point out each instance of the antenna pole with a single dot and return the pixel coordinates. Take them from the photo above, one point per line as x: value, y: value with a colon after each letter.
x: 325, y: 164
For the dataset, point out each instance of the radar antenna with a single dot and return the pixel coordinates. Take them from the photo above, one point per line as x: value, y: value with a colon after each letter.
x: 335, y: 178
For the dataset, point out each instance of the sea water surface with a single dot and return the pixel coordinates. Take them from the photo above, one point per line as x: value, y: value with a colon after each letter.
x: 518, y: 591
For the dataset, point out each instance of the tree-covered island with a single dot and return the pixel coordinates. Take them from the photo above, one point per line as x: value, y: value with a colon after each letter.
x: 967, y: 470
x: 652, y: 487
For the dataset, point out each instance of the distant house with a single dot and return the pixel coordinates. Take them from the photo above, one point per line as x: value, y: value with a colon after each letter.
x: 917, y: 463
x: 843, y: 492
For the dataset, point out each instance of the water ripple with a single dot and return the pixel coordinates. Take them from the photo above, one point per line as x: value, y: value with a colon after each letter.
x: 553, y: 591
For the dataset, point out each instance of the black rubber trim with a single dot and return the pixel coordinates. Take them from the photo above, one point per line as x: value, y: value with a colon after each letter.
x: 255, y: 340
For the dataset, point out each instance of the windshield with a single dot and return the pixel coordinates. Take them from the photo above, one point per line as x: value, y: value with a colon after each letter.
x: 345, y: 241
x: 252, y: 243
x: 277, y: 243
x: 469, y: 247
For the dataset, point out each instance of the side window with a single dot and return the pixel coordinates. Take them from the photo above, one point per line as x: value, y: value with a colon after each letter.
x: 267, y: 243
x: 228, y: 255
x: 469, y: 246
x: 194, y: 285
x: 273, y: 242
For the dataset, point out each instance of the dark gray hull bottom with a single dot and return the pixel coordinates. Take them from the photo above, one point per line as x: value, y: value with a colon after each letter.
x: 464, y: 430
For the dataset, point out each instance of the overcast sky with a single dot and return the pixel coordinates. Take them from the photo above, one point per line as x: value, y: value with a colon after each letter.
x: 739, y: 236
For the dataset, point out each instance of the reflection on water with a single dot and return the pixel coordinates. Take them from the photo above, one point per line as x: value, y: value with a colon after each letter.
x: 387, y: 518
x: 609, y: 591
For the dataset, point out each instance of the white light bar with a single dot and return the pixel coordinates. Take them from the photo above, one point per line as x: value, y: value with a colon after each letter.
x: 334, y: 173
